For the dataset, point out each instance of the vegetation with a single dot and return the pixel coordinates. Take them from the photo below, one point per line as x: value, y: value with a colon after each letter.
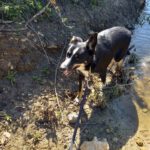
x: 17, y: 10
x: 11, y: 77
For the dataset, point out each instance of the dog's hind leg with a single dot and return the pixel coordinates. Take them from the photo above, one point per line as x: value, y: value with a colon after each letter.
x: 121, y: 53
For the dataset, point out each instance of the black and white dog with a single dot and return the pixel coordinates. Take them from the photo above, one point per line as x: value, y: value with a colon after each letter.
x: 97, y: 52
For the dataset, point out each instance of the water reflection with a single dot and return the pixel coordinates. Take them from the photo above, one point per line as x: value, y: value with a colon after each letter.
x: 141, y: 40
x: 141, y: 36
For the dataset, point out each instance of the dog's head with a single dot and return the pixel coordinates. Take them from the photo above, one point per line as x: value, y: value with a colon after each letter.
x: 79, y: 53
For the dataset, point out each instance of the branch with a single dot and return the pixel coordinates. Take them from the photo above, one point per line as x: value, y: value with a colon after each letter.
x: 13, y: 30
x: 42, y: 46
x: 55, y: 81
x: 37, y: 14
x: 5, y: 21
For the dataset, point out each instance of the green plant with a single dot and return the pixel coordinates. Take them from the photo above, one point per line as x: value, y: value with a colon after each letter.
x: 11, y: 77
x: 15, y: 10
x: 37, y: 79
x: 8, y: 117
x: 36, y: 137
x: 45, y: 71
x: 94, y: 2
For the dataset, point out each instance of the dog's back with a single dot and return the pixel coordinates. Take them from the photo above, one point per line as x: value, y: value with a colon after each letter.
x: 112, y: 43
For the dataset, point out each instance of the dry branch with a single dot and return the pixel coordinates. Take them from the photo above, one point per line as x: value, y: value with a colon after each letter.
x: 55, y: 81
x: 37, y: 14
x: 13, y: 30
x: 5, y: 21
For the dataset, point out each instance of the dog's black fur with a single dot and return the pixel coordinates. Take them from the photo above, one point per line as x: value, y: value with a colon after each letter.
x: 97, y: 52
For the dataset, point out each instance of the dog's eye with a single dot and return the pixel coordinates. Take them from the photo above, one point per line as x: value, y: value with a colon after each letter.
x: 69, y: 55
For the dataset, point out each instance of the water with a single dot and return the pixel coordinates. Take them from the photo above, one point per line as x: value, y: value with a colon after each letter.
x: 141, y: 40
x: 141, y: 35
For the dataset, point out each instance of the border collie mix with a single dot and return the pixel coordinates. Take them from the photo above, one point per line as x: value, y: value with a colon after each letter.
x: 96, y: 53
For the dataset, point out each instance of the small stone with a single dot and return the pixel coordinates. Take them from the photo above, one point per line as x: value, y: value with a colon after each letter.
x: 145, y: 110
x: 115, y: 139
x: 108, y: 130
x: 23, y: 94
x: 76, y: 101
x: 65, y: 146
x: 29, y: 94
x: 139, y: 142
x: 95, y: 145
x: 72, y: 117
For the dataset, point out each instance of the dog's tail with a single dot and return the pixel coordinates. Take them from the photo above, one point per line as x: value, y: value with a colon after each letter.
x: 132, y: 47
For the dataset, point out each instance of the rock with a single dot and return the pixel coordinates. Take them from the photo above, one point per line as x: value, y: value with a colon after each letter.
x: 76, y: 101
x: 115, y: 139
x: 108, y: 130
x: 95, y: 145
x: 139, y: 142
x: 72, y: 117
x: 29, y: 94
x: 5, y: 137
x: 145, y: 110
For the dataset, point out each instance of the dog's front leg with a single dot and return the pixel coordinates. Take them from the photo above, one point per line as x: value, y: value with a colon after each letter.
x: 80, y: 90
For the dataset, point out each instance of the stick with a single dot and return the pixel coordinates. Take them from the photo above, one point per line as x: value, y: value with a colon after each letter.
x: 13, y: 30
x: 5, y: 21
x: 38, y: 14
x: 42, y: 46
x: 55, y: 81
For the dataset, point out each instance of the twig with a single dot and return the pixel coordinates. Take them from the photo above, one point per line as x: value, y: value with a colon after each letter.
x: 42, y: 46
x: 78, y: 119
x: 56, y: 71
x: 55, y: 80
x: 37, y: 14
x: 61, y: 18
x: 5, y: 21
x: 13, y: 30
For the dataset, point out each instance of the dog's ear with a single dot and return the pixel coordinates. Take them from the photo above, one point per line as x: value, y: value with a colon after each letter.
x: 91, y: 42
x: 75, y: 39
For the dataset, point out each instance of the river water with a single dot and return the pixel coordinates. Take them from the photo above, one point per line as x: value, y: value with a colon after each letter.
x: 141, y: 40
x: 141, y: 35
x: 141, y: 88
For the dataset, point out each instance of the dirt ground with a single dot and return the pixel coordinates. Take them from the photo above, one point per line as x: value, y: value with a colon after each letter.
x: 31, y: 119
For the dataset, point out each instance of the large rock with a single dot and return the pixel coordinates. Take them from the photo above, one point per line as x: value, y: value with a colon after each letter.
x: 95, y: 145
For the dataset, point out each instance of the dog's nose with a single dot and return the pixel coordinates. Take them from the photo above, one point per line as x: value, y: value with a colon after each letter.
x: 62, y: 66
